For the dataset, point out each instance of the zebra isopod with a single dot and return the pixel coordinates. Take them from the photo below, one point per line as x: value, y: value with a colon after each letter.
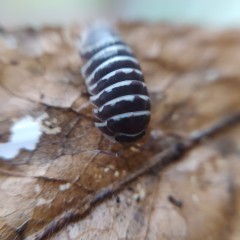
x: 116, y: 84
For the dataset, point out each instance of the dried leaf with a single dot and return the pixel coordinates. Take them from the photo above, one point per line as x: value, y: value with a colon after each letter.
x: 193, y: 79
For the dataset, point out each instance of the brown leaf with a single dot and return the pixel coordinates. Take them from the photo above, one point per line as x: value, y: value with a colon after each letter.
x: 193, y: 79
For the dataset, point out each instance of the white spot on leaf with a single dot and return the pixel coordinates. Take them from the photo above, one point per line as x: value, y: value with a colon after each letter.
x: 42, y: 201
x: 50, y: 126
x: 64, y: 187
x: 25, y: 134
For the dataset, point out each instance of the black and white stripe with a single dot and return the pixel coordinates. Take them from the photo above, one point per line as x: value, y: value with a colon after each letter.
x: 114, y: 79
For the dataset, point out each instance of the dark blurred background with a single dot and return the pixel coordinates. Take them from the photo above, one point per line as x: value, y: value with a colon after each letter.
x: 220, y: 13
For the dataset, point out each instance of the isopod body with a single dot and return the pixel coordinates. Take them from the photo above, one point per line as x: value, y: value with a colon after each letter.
x: 114, y: 79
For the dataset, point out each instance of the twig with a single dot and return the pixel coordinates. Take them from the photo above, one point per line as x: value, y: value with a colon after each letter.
x: 159, y: 161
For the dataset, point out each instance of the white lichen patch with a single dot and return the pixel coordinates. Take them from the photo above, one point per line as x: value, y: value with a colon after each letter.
x: 156, y: 134
x: 98, y: 177
x: 25, y: 134
x: 49, y: 126
x: 106, y: 169
x: 109, y: 168
x: 139, y: 194
x: 134, y: 149
x: 43, y: 201
x: 116, y: 174
x: 64, y: 187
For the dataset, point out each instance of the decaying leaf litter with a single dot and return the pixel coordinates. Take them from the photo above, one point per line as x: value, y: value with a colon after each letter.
x: 40, y: 77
